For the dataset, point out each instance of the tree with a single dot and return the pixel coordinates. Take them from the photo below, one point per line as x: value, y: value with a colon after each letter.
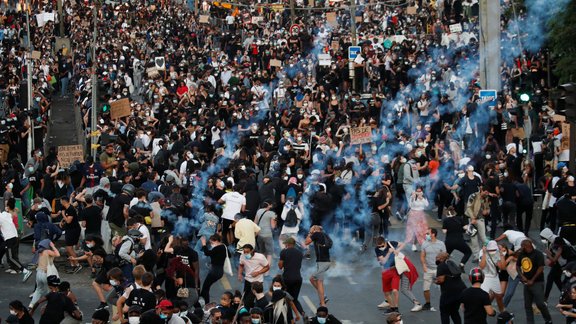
x: 563, y: 47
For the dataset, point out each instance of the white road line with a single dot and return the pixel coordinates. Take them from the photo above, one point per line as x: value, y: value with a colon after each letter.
x: 310, y: 304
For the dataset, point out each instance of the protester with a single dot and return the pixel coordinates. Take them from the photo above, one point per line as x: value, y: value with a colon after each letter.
x: 475, y: 300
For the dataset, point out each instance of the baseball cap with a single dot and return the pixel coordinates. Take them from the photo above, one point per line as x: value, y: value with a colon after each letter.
x: 165, y: 304
x: 491, y: 246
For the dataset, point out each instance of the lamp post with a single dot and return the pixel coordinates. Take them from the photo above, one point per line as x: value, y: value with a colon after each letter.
x: 94, y: 108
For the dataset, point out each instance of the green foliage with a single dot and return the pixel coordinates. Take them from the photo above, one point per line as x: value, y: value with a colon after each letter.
x: 562, y: 43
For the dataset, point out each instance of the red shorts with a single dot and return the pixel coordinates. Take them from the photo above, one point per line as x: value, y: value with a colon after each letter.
x: 390, y: 280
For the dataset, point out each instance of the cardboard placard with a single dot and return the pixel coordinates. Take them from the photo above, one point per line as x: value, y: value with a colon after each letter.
x: 455, y: 28
x: 120, y: 108
x: 359, y: 19
x: 204, y: 19
x: 559, y: 118
x: 4, y: 150
x: 70, y: 153
x: 331, y: 18
x: 160, y: 63
x: 518, y: 132
x: 36, y: 55
x: 276, y: 63
x: 565, y: 142
x: 360, y: 135
x: 411, y: 10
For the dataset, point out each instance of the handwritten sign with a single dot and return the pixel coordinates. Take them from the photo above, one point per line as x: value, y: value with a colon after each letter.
x: 360, y: 135
x: 152, y: 72
x: 204, y: 19
x: 335, y: 46
x: 324, y: 59
x: 70, y: 153
x: 331, y: 18
x: 120, y: 108
x: 565, y: 142
x: 276, y: 63
x: 36, y: 55
x: 411, y: 10
x: 455, y: 28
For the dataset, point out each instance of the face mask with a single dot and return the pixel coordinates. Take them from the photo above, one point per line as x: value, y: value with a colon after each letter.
x: 10, y: 186
x: 113, y: 282
x: 418, y: 154
x: 505, y: 174
x: 428, y: 237
x: 488, y: 156
x: 163, y: 316
x: 300, y: 176
x: 321, y: 320
x: 382, y: 248
x: 31, y: 169
x: 89, y: 245
x: 567, y: 273
x: 134, y: 320
x: 248, y: 256
x: 285, y: 178
x: 276, y: 288
x: 460, y: 175
x: 13, y: 312
x: 255, y: 321
x: 286, y: 148
x: 271, y: 141
x: 299, y: 138
x: 243, y: 168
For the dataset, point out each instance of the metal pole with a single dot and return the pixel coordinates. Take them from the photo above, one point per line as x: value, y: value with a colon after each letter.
x: 292, y: 11
x: 60, y: 18
x: 490, y: 44
x: 29, y: 68
x: 94, y: 108
x: 572, y: 163
x: 353, y: 22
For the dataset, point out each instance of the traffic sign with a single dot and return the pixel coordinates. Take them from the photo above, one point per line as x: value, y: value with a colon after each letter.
x: 353, y: 52
x: 489, y: 97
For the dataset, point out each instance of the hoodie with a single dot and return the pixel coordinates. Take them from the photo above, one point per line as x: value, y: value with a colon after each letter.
x: 44, y: 229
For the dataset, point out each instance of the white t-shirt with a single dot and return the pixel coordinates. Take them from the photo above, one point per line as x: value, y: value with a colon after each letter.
x: 515, y: 237
x: 233, y: 204
x: 145, y: 234
x: 256, y: 263
x: 7, y: 226
x: 491, y: 264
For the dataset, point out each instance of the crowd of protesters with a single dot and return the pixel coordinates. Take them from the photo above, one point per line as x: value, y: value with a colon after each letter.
x: 241, y: 150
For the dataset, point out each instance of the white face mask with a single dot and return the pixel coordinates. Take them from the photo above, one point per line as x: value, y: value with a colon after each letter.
x: 300, y: 176
x: 113, y: 282
x: 134, y: 320
x: 13, y: 312
x: 567, y: 273
x: 276, y: 288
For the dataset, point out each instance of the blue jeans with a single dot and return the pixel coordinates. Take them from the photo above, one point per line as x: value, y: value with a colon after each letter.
x: 510, y: 289
x: 64, y: 86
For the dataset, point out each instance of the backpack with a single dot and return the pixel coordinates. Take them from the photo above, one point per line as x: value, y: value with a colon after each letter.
x: 117, y: 259
x: 291, y: 218
x: 454, y: 269
x: 327, y: 241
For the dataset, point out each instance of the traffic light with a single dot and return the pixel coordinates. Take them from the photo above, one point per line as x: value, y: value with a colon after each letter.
x: 566, y: 104
x: 102, y: 96
x: 524, y: 97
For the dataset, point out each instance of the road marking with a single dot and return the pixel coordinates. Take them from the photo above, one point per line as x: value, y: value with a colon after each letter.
x: 351, y: 281
x: 225, y: 282
x: 310, y: 304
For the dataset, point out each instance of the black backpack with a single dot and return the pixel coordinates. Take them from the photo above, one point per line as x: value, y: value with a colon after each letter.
x: 454, y: 269
x: 291, y: 218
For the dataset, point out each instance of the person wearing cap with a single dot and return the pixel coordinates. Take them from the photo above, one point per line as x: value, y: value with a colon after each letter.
x: 291, y: 265
x: 475, y: 300
x: 57, y: 304
x: 165, y: 309
x: 323, y: 317
x: 492, y: 262
x: 530, y: 266
x: 253, y: 265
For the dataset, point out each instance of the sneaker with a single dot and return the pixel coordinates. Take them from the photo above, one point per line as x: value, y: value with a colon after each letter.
x: 326, y: 300
x: 101, y: 306
x: 384, y: 304
x: 27, y: 274
x: 11, y: 271
x: 416, y: 308
x: 414, y: 248
x: 77, y: 269
x: 428, y: 307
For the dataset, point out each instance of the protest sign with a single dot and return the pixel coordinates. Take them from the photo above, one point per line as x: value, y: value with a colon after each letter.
x: 70, y: 153
x: 360, y: 135
x: 120, y: 108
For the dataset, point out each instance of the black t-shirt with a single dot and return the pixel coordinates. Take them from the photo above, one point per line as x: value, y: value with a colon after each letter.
x: 217, y: 255
x: 57, y: 304
x: 188, y: 256
x: 322, y: 252
x: 529, y: 264
x: 292, y: 259
x: 93, y: 217
x: 474, y: 300
x: 469, y: 186
x: 454, y: 228
x: 143, y: 298
x: 74, y: 225
x: 26, y: 319
x: 452, y: 286
x: 116, y: 211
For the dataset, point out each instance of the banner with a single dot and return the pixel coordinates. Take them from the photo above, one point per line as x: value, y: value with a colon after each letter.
x: 565, y: 142
x: 360, y: 135
x: 276, y: 63
x: 70, y: 153
x: 455, y: 28
x: 324, y: 59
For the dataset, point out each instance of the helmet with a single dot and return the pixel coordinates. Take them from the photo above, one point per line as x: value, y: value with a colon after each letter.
x: 471, y: 230
x: 135, y: 234
x: 129, y: 189
x: 476, y: 275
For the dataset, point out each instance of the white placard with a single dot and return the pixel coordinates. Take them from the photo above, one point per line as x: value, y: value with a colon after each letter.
x: 324, y: 59
x: 456, y: 28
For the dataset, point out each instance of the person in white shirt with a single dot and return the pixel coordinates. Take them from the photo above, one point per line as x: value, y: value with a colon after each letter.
x: 491, y: 261
x: 234, y: 203
x: 10, y: 235
x: 417, y: 225
x: 287, y: 231
x: 514, y: 237
x: 254, y: 266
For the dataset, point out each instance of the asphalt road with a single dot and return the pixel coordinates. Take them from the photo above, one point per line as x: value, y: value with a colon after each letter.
x: 353, y: 286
